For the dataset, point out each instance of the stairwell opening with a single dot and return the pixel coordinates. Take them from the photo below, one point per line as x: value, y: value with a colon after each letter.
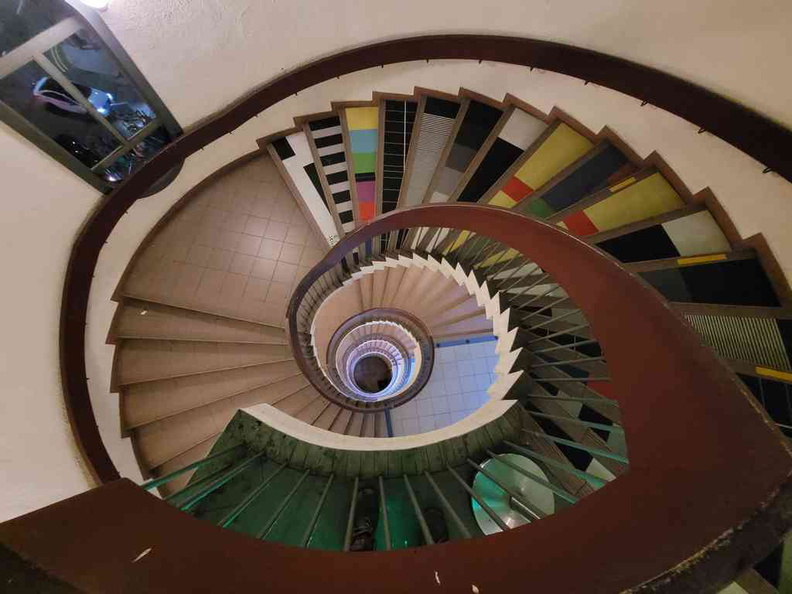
x: 373, y: 373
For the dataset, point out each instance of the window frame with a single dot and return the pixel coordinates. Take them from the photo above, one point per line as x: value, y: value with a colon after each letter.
x: 33, y: 50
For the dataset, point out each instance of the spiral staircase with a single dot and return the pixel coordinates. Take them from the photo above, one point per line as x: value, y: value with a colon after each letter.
x: 414, y: 295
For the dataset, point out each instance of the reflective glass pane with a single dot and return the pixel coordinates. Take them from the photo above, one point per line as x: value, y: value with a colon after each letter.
x: 86, y: 62
x: 21, y: 20
x: 44, y: 103
x: 142, y: 152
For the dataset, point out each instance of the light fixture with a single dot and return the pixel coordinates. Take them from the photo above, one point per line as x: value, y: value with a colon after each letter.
x: 97, y: 4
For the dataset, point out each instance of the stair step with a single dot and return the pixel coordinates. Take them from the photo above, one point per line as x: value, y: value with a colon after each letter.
x: 294, y: 403
x: 149, y: 402
x: 518, y: 132
x: 476, y: 120
x: 689, y: 235
x: 292, y: 155
x: 311, y: 412
x: 399, y: 119
x: 361, y: 130
x: 341, y: 421
x: 435, y: 121
x: 328, y: 417
x: 140, y: 360
x: 141, y: 319
x: 355, y: 427
x: 557, y: 148
x: 604, y: 165
x: 326, y: 141
x: 140, y: 298
x: 644, y: 195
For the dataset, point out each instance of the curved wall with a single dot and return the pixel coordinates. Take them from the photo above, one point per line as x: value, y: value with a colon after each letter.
x: 735, y: 48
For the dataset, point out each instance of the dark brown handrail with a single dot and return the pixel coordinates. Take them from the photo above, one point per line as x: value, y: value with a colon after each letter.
x: 758, y: 136
x: 706, y: 495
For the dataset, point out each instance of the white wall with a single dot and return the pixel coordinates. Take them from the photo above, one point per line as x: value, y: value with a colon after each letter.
x: 43, y: 205
x: 185, y: 48
x: 201, y: 54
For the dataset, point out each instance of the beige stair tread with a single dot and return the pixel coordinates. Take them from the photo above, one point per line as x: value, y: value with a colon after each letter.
x: 369, y: 428
x: 138, y: 360
x: 163, y: 440
x: 153, y: 401
x: 293, y: 403
x: 188, y: 307
x: 381, y: 426
x: 328, y: 417
x: 341, y: 421
x: 355, y: 426
x: 137, y: 319
x: 311, y: 412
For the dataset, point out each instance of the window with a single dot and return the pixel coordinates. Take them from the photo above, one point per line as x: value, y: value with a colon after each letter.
x: 68, y: 86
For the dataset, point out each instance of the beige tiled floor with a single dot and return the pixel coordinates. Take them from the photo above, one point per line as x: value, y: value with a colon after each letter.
x: 237, y: 248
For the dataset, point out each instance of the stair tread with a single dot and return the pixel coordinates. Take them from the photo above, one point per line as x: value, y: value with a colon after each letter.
x: 200, y: 310
x: 140, y: 380
x: 142, y: 404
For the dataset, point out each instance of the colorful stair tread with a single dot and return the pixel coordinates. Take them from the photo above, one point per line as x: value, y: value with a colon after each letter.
x: 326, y: 134
x: 477, y: 122
x: 294, y: 153
x: 692, y: 234
x: 399, y: 122
x: 562, y: 147
x: 761, y: 341
x: 363, y: 126
x: 636, y: 198
x: 603, y: 166
x: 726, y: 282
x: 518, y: 133
x: 435, y: 124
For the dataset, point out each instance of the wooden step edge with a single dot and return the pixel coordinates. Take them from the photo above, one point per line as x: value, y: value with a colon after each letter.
x: 129, y: 427
x: 202, y: 311
x: 204, y: 371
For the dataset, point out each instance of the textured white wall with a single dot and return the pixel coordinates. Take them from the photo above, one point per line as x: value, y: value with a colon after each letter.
x: 201, y: 54
x: 43, y: 205
x: 185, y: 49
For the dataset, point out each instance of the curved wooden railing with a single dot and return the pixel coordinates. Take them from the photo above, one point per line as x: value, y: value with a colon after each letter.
x: 756, y: 135
x: 704, y: 460
x: 706, y: 495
